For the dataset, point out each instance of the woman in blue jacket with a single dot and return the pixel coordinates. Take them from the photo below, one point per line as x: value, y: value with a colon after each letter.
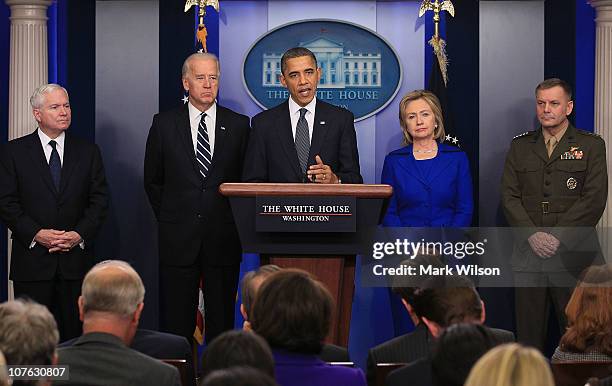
x: 431, y: 181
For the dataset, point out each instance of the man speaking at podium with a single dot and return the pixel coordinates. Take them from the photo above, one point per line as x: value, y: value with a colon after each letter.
x: 303, y: 139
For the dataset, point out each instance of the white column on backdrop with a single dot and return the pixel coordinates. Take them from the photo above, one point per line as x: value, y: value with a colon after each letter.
x: 27, y: 68
x: 603, y: 97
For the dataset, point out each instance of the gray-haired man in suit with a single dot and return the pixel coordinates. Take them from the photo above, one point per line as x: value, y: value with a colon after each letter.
x: 110, y: 307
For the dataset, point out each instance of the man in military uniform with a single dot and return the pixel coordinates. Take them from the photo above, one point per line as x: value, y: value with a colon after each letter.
x: 555, y: 178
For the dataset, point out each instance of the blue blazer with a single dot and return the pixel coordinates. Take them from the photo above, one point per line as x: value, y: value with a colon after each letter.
x: 442, y: 198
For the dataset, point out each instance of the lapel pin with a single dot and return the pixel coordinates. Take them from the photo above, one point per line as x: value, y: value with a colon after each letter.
x: 222, y: 128
x: 322, y: 122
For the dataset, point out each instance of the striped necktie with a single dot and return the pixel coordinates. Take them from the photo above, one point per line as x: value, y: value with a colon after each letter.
x: 203, y: 154
x: 302, y: 140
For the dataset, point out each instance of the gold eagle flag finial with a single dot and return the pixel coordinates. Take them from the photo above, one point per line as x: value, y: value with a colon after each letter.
x: 438, y: 44
x: 202, y: 4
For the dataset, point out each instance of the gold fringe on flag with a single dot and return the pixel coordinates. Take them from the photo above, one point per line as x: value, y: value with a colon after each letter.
x: 202, y: 4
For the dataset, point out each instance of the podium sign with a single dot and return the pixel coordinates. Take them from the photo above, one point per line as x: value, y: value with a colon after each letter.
x: 305, y: 214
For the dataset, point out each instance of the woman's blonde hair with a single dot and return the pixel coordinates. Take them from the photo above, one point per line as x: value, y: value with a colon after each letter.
x: 433, y: 102
x: 511, y: 365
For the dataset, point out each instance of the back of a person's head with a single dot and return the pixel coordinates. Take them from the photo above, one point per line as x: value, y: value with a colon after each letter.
x: 28, y: 333
x: 589, y: 313
x: 238, y: 348
x: 511, y: 365
x: 113, y: 287
x: 4, y: 378
x: 447, y: 301
x: 251, y: 282
x: 456, y: 351
x: 292, y: 311
x: 405, y: 285
x: 238, y: 376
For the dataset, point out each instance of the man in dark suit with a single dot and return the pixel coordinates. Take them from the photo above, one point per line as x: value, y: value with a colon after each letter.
x: 53, y: 197
x: 304, y: 138
x: 110, y: 307
x: 439, y: 303
x: 190, y: 152
x: 159, y: 345
x: 455, y: 353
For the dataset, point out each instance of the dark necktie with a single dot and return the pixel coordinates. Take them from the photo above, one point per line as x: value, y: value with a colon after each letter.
x: 302, y: 140
x: 203, y: 154
x: 55, y: 165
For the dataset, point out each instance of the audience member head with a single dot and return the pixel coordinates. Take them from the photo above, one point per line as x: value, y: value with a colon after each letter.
x: 250, y: 285
x: 456, y: 351
x: 405, y: 285
x: 4, y: 379
x: 238, y: 348
x: 111, y: 299
x: 589, y: 313
x: 243, y: 376
x: 433, y: 102
x: 293, y: 311
x: 511, y: 365
x: 444, y: 301
x: 28, y: 335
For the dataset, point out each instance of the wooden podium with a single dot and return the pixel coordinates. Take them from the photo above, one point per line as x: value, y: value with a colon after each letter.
x: 317, y: 247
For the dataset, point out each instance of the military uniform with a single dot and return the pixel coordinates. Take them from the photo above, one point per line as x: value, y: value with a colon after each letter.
x: 567, y: 189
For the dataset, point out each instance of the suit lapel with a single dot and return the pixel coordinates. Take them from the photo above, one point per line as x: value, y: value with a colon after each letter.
x: 38, y: 158
x: 319, y: 131
x: 539, y: 147
x: 439, y: 163
x: 220, y: 135
x: 285, y: 133
x: 70, y: 161
x: 184, y: 127
x: 408, y: 163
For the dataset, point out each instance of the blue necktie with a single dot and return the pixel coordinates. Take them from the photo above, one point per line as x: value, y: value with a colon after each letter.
x: 55, y: 165
x: 203, y: 154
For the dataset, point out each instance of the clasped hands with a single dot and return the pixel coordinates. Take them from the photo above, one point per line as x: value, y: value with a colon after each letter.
x: 57, y: 241
x: 544, y: 244
x: 321, y: 173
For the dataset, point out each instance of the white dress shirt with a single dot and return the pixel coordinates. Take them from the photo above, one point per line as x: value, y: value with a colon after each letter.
x: 195, y: 116
x: 294, y: 114
x: 44, y: 141
x: 47, y: 149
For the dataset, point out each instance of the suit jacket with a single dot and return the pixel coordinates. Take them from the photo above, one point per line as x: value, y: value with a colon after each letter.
x: 417, y: 373
x: 30, y: 202
x: 271, y: 155
x: 159, y: 345
x: 440, y: 198
x: 103, y: 359
x: 190, y: 210
x: 568, y: 189
x: 293, y: 369
x: 414, y: 345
